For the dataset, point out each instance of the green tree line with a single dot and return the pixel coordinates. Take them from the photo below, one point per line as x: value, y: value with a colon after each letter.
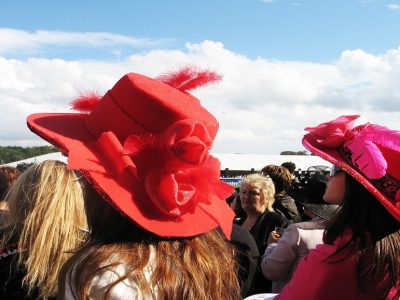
x: 15, y: 153
x: 296, y: 153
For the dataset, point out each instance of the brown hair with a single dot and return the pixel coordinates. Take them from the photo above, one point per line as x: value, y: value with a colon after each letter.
x: 375, y: 235
x: 7, y: 177
x: 46, y: 212
x: 200, y: 267
x: 280, y: 176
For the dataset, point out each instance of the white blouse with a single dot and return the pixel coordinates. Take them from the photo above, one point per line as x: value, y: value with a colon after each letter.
x: 124, y: 290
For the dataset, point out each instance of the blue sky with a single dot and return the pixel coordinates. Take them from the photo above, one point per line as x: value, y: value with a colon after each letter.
x: 307, y: 60
x: 289, y: 30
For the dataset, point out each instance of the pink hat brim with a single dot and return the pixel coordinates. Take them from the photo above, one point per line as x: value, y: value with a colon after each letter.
x: 334, y: 157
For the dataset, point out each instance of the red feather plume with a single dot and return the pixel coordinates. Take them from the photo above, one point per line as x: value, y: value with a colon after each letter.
x: 86, y: 103
x: 189, y: 78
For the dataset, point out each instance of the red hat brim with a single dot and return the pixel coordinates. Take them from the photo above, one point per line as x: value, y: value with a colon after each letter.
x: 68, y: 132
x: 334, y: 157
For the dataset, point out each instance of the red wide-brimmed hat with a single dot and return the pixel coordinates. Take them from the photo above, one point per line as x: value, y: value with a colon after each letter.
x: 370, y: 153
x: 145, y: 147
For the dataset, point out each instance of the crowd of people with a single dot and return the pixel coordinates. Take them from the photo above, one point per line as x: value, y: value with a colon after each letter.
x: 140, y: 212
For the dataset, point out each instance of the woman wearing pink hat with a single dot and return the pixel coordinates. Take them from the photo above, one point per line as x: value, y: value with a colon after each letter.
x: 156, y: 208
x: 360, y: 257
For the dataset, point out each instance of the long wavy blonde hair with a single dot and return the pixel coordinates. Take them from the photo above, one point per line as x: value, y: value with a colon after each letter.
x: 47, y: 215
x: 199, y: 268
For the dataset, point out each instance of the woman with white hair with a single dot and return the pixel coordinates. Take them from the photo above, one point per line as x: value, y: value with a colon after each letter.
x: 257, y: 195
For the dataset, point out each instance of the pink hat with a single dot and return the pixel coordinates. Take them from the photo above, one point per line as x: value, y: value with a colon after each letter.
x: 145, y: 147
x: 370, y: 153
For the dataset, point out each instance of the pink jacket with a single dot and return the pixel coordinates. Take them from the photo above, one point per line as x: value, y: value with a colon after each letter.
x: 317, y: 279
x: 280, y: 260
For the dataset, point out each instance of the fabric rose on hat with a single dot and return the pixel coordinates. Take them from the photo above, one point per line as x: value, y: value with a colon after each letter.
x: 188, y: 141
x: 170, y: 163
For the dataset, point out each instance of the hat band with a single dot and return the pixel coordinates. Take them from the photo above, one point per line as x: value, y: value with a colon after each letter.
x: 387, y: 185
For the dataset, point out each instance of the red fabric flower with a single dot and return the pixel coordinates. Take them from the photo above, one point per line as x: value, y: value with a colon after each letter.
x: 172, y: 193
x: 188, y: 141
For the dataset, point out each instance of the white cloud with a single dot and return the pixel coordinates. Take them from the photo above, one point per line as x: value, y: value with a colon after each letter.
x: 268, y: 1
x: 262, y: 105
x: 393, y: 6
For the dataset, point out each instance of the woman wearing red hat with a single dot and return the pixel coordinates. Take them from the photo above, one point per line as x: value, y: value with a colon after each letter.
x: 156, y: 208
x: 360, y: 257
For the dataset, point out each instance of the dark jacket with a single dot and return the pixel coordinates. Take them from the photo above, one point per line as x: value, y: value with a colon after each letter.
x: 247, y: 257
x: 266, y: 223
x: 286, y: 206
x: 11, y: 276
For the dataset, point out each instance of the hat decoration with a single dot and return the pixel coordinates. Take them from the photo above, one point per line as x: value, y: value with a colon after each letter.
x: 157, y: 171
x: 361, y: 150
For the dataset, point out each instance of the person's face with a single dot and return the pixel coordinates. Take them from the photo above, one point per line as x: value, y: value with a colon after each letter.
x: 335, y: 188
x: 251, y: 199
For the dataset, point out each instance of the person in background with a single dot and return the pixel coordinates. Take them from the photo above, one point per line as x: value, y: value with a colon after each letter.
x: 360, y: 257
x: 284, y: 252
x: 290, y: 166
x: 158, y: 220
x: 234, y: 202
x: 247, y: 256
x: 295, y: 188
x: 247, y: 252
x: 7, y: 177
x: 257, y: 199
x: 284, y: 204
x: 46, y: 222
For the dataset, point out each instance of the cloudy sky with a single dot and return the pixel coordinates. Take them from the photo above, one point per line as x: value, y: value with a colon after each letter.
x: 286, y: 64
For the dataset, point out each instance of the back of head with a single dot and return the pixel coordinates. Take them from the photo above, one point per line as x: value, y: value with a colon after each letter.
x: 368, y: 155
x: 291, y: 166
x: 280, y: 176
x: 47, y: 212
x: 314, y: 186
x: 157, y: 181
x: 7, y: 177
x: 192, y: 267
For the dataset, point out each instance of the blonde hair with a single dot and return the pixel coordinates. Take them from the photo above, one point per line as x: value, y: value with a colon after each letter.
x: 266, y: 186
x: 201, y: 267
x: 46, y: 211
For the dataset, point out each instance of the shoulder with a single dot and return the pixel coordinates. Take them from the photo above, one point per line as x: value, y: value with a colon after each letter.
x: 284, y: 198
x: 109, y: 278
x: 125, y: 289
x: 274, y: 218
x: 316, y: 223
x: 243, y: 238
x: 272, y: 215
x: 8, y: 250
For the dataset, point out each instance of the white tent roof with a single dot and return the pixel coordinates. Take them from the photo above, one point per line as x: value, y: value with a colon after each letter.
x: 38, y: 159
x: 258, y: 161
x: 231, y: 161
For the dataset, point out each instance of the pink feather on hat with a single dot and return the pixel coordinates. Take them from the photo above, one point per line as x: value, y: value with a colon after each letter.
x: 365, y: 151
x: 369, y: 153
